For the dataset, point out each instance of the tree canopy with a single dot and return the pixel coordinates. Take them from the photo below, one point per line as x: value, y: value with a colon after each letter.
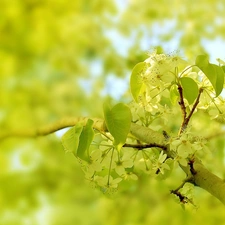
x: 61, y: 60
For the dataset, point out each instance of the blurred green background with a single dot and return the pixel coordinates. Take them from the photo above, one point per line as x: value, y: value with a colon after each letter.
x: 61, y: 58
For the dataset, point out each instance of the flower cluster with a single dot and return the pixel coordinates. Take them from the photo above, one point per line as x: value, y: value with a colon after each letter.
x: 185, y: 147
x: 160, y: 69
x: 159, y: 75
x: 107, y: 166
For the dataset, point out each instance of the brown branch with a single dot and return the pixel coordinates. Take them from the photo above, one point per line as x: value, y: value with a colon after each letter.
x: 181, y: 102
x: 187, y: 118
x: 194, y: 106
x: 142, y: 146
x: 183, y: 199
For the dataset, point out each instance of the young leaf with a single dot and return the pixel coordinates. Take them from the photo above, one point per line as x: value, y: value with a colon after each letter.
x: 136, y: 84
x: 220, y: 79
x: 118, y: 121
x: 214, y: 73
x: 174, y: 94
x: 223, y: 68
x: 202, y: 61
x: 70, y: 140
x: 190, y: 89
x: 85, y: 140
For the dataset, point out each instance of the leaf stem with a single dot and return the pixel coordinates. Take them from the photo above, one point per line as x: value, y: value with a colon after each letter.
x: 110, y: 166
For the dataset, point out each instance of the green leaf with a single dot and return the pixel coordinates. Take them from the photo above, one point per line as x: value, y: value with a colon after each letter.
x: 214, y: 73
x: 220, y: 79
x: 70, y: 140
x: 136, y: 83
x: 77, y: 140
x: 85, y: 140
x: 174, y: 94
x: 223, y: 68
x: 202, y: 61
x: 118, y: 121
x: 190, y: 89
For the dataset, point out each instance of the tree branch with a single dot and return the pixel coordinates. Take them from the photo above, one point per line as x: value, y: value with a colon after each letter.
x: 182, y: 198
x: 147, y: 135
x: 186, y: 118
x: 201, y: 177
x: 142, y: 146
x: 181, y: 102
x: 194, y: 107
x: 51, y: 128
x: 209, y: 181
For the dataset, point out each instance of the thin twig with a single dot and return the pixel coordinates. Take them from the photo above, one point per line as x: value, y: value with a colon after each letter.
x: 194, y: 106
x: 186, y: 118
x: 182, y: 198
x: 141, y: 146
x: 181, y: 102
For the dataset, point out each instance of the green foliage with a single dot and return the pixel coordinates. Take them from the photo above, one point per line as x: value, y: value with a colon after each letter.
x: 165, y: 83
x: 56, y: 57
x: 213, y: 72
x: 136, y: 84
x: 174, y: 94
x: 71, y: 138
x: 190, y: 88
x: 85, y: 140
x: 118, y: 120
x: 77, y: 140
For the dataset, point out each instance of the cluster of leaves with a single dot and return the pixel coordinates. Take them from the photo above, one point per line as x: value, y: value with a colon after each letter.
x: 161, y: 75
x: 157, y: 85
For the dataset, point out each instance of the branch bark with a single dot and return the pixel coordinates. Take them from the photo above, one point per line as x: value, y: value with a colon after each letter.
x: 51, y: 128
x: 201, y: 176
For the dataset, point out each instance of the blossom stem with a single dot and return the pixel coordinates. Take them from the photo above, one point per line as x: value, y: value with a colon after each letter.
x: 110, y: 166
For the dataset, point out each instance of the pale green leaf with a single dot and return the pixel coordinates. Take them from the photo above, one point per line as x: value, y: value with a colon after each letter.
x: 136, y: 83
x: 190, y: 89
x: 70, y: 140
x: 220, y: 79
x: 202, y: 61
x: 174, y: 94
x: 85, y: 140
x: 118, y: 121
x: 214, y: 73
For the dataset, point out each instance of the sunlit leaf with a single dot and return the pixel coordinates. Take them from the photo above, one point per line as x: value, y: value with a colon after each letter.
x: 174, y: 94
x: 214, y: 73
x: 136, y: 83
x: 85, y: 140
x: 70, y: 139
x: 190, y: 89
x: 118, y: 121
x: 202, y: 61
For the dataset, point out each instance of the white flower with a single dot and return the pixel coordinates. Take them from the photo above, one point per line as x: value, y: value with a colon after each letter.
x: 161, y: 163
x: 94, y: 164
x: 108, y: 181
x: 130, y: 176
x: 122, y: 164
x: 161, y: 69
